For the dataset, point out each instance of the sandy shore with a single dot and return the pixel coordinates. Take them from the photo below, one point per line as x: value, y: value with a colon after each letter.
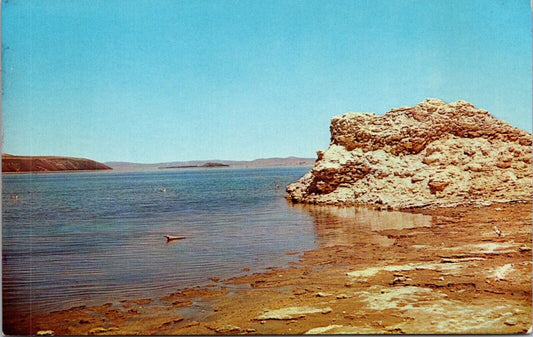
x: 452, y: 270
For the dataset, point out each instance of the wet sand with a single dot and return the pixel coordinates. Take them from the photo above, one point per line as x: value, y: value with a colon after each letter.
x: 448, y: 270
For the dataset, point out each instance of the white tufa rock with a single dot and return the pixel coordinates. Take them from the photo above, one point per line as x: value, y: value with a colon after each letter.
x: 429, y: 154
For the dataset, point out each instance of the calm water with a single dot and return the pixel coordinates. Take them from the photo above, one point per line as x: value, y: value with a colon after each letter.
x: 80, y: 238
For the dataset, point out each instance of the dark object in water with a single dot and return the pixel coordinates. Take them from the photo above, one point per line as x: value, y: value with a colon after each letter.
x: 173, y: 238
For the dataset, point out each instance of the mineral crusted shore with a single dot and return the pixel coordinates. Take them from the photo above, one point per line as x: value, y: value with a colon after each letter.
x: 433, y: 153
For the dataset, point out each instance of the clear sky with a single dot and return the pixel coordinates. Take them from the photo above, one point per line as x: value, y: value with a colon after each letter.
x: 155, y: 81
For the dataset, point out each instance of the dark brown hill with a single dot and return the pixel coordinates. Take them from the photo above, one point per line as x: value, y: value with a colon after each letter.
x: 12, y: 163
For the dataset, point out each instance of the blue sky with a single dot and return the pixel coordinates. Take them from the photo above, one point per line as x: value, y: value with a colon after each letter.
x: 155, y: 81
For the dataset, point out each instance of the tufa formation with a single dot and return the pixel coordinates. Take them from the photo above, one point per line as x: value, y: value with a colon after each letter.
x: 431, y: 154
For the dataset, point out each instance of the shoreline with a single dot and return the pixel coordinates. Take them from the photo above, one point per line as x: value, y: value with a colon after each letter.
x: 423, y: 279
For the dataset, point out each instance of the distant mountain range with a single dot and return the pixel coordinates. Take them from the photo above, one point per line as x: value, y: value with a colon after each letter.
x: 14, y: 164
x: 263, y: 162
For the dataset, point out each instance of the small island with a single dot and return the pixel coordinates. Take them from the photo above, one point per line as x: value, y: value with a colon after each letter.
x: 206, y: 165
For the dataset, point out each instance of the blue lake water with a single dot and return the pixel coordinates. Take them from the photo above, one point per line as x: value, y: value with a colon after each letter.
x: 93, y: 237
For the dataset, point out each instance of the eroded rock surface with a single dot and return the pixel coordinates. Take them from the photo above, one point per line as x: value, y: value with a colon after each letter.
x: 433, y: 153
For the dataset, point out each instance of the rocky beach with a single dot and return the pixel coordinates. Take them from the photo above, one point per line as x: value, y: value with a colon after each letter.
x: 455, y: 260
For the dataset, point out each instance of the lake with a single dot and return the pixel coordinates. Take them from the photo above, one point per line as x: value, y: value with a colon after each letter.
x: 92, y: 237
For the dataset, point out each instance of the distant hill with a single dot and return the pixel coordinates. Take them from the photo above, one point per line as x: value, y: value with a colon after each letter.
x: 263, y: 162
x: 12, y: 163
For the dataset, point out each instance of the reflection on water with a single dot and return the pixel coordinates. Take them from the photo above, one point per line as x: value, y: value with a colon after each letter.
x: 381, y: 220
x: 356, y: 225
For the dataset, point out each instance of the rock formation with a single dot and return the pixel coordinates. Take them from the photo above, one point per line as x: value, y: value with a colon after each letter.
x: 12, y: 163
x: 433, y: 153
